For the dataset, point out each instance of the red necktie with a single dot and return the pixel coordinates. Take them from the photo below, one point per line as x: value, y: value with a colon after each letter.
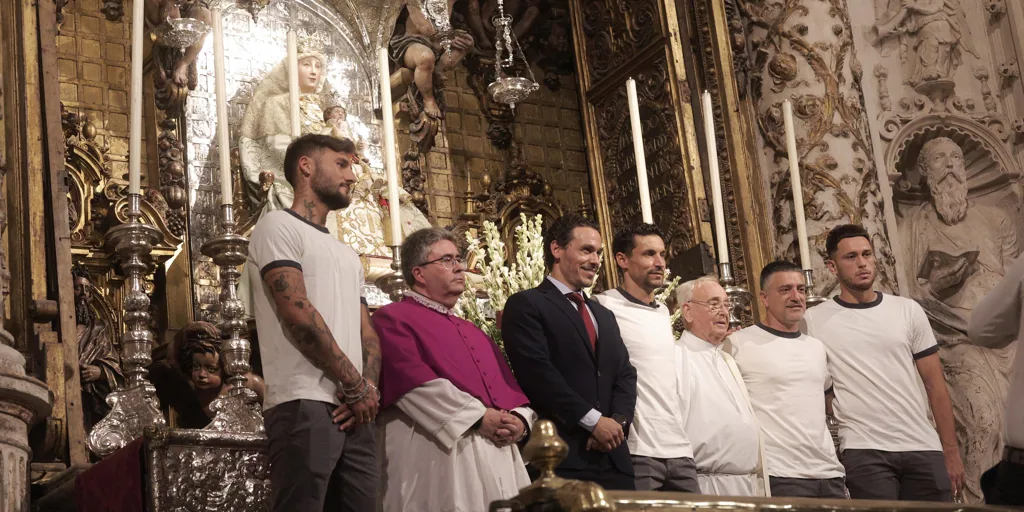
x: 581, y: 305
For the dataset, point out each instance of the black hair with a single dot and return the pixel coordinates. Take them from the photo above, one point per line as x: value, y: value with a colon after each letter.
x: 560, y: 232
x: 840, y: 233
x: 625, y: 238
x: 311, y: 145
x: 776, y: 267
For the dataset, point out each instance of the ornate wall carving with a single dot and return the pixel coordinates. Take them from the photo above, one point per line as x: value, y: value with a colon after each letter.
x: 804, y: 50
x: 665, y: 167
x: 942, y: 109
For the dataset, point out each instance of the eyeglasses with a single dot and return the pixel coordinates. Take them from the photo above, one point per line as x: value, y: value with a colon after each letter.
x: 715, y: 305
x: 447, y: 261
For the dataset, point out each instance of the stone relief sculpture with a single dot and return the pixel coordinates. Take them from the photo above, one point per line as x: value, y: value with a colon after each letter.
x: 956, y: 249
x: 159, y: 10
x: 98, y: 360
x: 264, y: 136
x: 933, y: 35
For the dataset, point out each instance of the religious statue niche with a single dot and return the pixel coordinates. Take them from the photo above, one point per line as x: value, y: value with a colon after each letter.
x: 957, y: 221
x: 932, y: 35
x: 264, y: 136
x: 337, y: 97
x: 190, y: 376
x: 420, y: 63
x: 99, y: 362
x: 97, y: 201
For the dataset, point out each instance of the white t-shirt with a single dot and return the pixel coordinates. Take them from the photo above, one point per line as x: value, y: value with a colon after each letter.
x: 333, y: 278
x: 786, y: 376
x: 719, y: 420
x: 880, y: 399
x: 657, y: 429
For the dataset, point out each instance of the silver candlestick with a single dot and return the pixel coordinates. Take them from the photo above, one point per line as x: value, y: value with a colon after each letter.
x: 813, y: 299
x: 393, y: 284
x: 238, y: 411
x: 739, y: 297
x: 135, y: 406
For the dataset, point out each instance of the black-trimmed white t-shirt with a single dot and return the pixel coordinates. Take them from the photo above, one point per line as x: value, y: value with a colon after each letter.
x: 786, y: 376
x: 880, y: 401
x: 333, y: 276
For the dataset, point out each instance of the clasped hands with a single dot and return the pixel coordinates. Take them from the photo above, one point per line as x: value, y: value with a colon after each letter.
x: 357, y: 413
x: 606, y: 436
x: 501, y: 427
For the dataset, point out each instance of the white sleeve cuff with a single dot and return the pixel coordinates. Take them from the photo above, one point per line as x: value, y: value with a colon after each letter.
x: 589, y: 421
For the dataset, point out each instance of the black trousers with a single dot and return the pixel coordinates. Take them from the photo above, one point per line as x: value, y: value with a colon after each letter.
x: 881, y: 475
x: 1002, y: 484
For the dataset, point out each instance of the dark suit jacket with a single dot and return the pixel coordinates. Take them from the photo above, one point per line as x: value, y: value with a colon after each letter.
x: 551, y: 355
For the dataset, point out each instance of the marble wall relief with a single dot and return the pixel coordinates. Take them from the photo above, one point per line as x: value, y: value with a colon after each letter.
x: 942, y: 109
x: 804, y: 51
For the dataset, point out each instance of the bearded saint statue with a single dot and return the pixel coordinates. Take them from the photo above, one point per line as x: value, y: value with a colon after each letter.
x: 98, y: 361
x: 264, y: 136
x: 957, y: 250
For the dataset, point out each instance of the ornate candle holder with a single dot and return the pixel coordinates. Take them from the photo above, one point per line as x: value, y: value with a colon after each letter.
x: 393, y: 284
x: 813, y: 299
x: 238, y: 411
x: 135, y: 406
x: 739, y: 297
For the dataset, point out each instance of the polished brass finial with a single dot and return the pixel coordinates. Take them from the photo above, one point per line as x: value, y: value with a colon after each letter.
x: 545, y: 450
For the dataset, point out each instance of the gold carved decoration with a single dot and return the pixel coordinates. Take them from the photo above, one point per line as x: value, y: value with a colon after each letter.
x: 97, y: 202
x: 823, y: 79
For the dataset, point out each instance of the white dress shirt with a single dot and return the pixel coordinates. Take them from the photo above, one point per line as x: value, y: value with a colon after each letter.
x: 589, y: 420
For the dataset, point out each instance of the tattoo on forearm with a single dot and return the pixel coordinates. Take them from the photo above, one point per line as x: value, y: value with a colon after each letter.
x: 312, y: 337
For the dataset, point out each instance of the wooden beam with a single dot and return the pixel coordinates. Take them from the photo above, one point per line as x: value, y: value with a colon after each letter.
x: 56, y: 178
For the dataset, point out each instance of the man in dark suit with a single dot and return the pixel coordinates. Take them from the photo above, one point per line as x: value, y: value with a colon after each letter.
x: 568, y: 357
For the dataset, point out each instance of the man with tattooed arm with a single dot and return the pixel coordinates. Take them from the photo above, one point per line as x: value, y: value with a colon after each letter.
x: 321, y: 357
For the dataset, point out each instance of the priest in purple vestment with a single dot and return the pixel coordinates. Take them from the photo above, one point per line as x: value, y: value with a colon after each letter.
x: 451, y: 409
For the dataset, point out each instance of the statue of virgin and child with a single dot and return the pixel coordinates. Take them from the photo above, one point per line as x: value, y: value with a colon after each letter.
x: 264, y: 136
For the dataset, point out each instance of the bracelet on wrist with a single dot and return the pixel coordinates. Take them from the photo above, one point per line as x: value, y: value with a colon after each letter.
x: 350, y: 391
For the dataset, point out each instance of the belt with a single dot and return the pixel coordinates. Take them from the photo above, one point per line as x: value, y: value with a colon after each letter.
x: 1013, y: 455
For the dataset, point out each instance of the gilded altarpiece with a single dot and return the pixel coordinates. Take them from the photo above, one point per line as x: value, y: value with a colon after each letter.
x: 616, y: 41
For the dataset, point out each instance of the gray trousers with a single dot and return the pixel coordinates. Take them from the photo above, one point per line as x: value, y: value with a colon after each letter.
x: 315, y: 467
x: 911, y: 476
x: 654, y: 474
x: 808, y: 487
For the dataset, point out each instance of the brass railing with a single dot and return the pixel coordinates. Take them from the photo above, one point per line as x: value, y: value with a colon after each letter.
x: 550, y: 493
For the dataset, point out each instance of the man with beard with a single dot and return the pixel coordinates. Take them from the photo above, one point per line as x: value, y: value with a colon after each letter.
x: 319, y: 349
x: 786, y: 373
x: 569, y: 357
x: 451, y: 409
x: 880, y: 349
x: 957, y: 251
x: 662, y: 455
x: 717, y: 413
x: 98, y: 361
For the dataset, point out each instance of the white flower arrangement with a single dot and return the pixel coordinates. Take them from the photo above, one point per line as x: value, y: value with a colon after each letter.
x: 500, y: 278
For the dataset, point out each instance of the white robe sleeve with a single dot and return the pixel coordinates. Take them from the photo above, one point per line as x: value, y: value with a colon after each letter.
x: 443, y: 410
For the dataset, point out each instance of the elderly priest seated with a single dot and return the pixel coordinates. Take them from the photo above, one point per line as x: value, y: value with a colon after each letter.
x: 452, y: 411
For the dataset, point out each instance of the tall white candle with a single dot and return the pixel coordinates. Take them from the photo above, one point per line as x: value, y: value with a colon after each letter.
x: 390, y: 161
x: 220, y: 83
x: 293, y: 83
x: 716, y: 179
x: 794, y: 178
x: 135, y: 123
x: 638, y: 151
